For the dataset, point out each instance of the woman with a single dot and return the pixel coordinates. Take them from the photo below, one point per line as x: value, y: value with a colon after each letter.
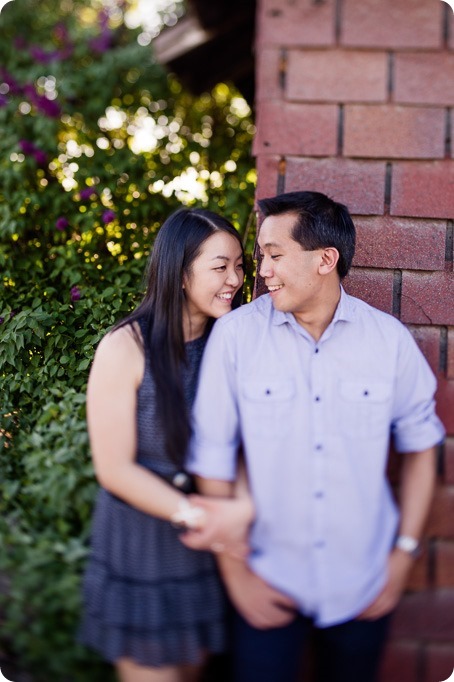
x: 153, y: 607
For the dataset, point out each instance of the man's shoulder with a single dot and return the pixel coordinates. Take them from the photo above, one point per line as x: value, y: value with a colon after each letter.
x: 257, y: 310
x: 365, y: 312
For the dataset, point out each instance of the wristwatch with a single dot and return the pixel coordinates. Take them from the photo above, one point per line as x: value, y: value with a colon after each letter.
x: 409, y: 545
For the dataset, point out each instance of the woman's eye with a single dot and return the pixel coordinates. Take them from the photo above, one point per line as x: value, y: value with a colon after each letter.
x: 221, y: 268
x: 275, y: 256
x: 240, y: 266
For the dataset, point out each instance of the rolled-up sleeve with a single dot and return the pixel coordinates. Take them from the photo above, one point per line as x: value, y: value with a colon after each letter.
x: 214, y: 445
x: 415, y: 426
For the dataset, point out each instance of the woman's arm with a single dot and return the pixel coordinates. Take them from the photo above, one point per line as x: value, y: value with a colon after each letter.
x: 115, y: 376
x: 229, y: 513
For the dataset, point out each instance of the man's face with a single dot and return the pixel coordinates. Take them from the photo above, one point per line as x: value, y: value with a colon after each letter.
x: 290, y: 273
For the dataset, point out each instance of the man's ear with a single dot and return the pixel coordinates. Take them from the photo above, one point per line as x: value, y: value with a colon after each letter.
x: 329, y: 259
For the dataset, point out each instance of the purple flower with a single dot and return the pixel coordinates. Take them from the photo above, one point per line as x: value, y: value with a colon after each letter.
x: 75, y: 293
x: 102, y: 42
x: 40, y: 157
x: 61, y: 223
x: 20, y: 43
x: 47, y: 106
x: 12, y: 313
x: 2, y: 319
x: 108, y: 216
x: 27, y: 147
x: 3, y: 101
x: 41, y: 55
x: 60, y: 32
x: 11, y: 82
x: 86, y: 193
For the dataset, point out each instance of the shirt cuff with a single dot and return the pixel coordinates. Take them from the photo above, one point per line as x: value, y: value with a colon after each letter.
x: 213, y: 462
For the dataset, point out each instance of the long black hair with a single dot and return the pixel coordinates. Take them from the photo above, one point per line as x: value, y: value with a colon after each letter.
x: 178, y: 243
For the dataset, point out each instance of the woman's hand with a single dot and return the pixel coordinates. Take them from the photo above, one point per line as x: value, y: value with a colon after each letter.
x: 226, y: 525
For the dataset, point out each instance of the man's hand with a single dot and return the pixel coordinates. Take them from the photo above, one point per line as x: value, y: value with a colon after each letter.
x: 260, y: 604
x: 399, y: 566
x: 226, y: 527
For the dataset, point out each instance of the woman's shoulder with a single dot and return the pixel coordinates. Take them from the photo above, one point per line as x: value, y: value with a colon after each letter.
x: 121, y: 350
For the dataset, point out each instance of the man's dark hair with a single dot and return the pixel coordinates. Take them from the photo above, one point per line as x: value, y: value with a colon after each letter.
x: 321, y: 223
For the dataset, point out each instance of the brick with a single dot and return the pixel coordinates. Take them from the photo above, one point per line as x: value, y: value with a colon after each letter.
x: 424, y: 78
x: 358, y: 184
x: 444, y: 564
x: 394, y: 467
x: 449, y: 461
x: 427, y: 298
x: 299, y: 129
x: 268, y: 85
x: 393, y: 131
x: 452, y: 124
x: 418, y: 579
x: 450, y: 29
x: 405, y: 243
x: 441, y: 517
x: 423, y: 189
x: 439, y: 662
x: 445, y: 404
x: 373, y: 286
x: 425, y: 615
x: 302, y: 23
x: 391, y: 24
x: 450, y: 366
x: 400, y: 662
x: 267, y: 176
x: 337, y: 76
x: 428, y: 340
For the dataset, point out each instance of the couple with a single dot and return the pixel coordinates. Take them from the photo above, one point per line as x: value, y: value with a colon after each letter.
x: 310, y: 384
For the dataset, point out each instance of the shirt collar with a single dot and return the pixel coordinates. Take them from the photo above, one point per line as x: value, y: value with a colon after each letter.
x: 344, y: 311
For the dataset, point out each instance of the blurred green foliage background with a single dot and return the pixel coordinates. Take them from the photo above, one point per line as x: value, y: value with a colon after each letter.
x: 98, y: 145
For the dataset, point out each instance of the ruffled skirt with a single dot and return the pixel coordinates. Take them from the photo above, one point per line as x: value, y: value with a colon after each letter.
x: 146, y: 596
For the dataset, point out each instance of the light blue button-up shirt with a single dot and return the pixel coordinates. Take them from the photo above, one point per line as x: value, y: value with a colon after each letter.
x: 315, y: 420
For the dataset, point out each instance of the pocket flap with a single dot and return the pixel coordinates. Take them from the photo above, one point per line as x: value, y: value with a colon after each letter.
x: 366, y: 391
x: 269, y: 390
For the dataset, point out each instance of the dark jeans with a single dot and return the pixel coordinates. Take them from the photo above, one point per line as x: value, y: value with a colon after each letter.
x: 349, y: 652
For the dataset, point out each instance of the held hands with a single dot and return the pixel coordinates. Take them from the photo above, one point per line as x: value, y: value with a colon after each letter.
x: 399, y: 566
x: 225, y: 527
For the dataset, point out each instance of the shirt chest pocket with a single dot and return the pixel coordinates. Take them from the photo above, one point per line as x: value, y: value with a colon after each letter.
x: 365, y: 408
x: 266, y: 404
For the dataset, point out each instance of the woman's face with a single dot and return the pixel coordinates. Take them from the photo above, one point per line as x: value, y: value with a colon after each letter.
x: 215, y: 277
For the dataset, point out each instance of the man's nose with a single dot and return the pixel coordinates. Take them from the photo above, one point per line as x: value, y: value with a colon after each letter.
x: 266, y: 270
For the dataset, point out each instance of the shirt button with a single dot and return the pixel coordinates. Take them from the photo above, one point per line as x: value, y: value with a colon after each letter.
x: 317, y: 398
x: 319, y: 544
x: 319, y: 494
x: 319, y: 447
x: 316, y: 350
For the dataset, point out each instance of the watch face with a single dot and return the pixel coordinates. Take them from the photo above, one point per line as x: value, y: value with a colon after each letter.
x: 407, y: 544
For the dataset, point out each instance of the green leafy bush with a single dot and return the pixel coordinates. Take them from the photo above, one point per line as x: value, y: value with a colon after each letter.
x: 98, y: 146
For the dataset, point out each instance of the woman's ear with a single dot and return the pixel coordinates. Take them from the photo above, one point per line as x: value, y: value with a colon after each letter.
x: 329, y: 260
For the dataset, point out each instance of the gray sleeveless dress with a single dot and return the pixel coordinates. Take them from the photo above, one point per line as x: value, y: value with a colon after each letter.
x: 146, y: 596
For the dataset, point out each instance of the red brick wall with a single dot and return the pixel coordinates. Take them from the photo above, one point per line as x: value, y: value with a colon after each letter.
x: 355, y: 99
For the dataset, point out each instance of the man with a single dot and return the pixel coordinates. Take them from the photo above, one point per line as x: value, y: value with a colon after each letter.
x: 313, y: 383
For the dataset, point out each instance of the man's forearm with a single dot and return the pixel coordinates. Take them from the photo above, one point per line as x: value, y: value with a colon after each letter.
x: 214, y: 487
x: 416, y: 491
